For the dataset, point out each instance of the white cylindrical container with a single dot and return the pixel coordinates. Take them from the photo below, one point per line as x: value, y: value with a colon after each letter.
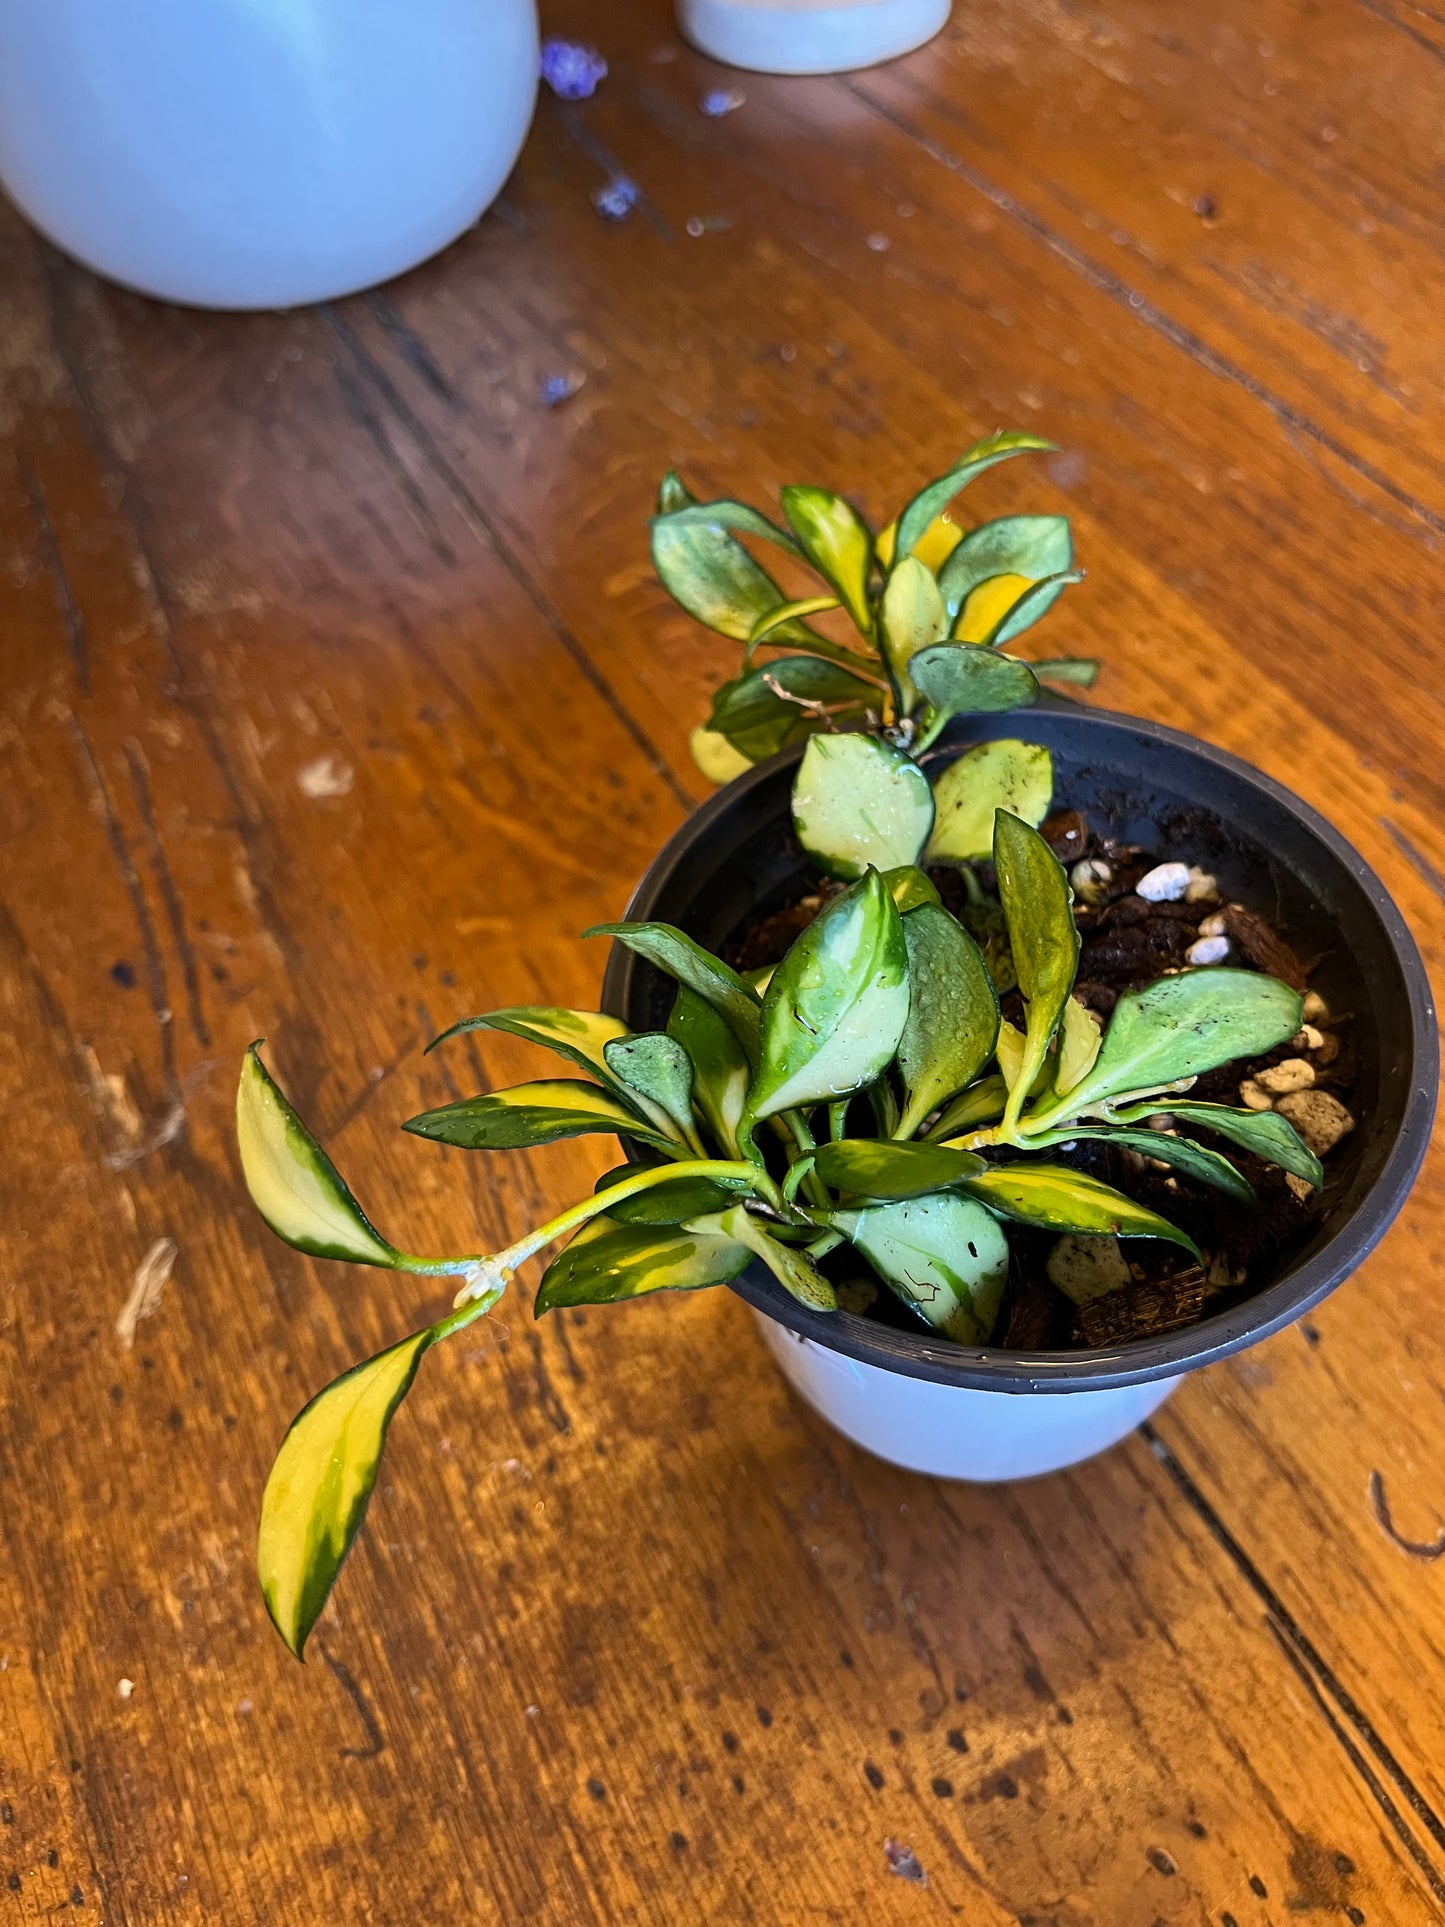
x: 260, y: 153
x: 809, y: 36
x: 954, y: 1431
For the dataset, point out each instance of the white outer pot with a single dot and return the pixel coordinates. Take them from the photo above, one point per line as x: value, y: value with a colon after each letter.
x: 809, y: 36
x: 953, y: 1431
x: 260, y: 153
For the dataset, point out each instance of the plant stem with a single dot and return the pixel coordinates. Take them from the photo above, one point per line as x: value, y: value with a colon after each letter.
x: 807, y: 1144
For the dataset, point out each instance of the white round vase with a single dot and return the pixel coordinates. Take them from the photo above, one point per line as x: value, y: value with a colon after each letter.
x: 260, y: 153
x: 809, y: 36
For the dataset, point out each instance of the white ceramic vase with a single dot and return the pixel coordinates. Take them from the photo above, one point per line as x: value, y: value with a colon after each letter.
x: 260, y: 153
x: 809, y: 36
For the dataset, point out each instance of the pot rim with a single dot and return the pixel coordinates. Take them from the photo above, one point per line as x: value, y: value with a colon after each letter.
x: 988, y: 1368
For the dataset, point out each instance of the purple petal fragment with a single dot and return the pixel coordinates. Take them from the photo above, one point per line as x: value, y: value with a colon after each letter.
x: 559, y: 388
x: 571, y: 70
x: 904, y: 1862
x: 617, y: 199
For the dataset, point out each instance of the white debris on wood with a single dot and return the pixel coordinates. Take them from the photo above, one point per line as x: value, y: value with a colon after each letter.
x: 1319, y: 1117
x: 1316, y: 1009
x: 1086, y: 1267
x: 1294, y: 1074
x: 1307, y: 1038
x: 126, y: 1688
x: 1208, y: 950
x: 325, y: 777
x: 1165, y: 883
x: 1253, y: 1098
x: 1091, y: 878
x: 1203, y: 888
x: 1213, y: 926
x: 146, y: 1287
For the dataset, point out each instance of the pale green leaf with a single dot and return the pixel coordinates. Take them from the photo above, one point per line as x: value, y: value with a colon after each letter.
x: 531, y: 1114
x: 912, y: 616
x: 1082, y: 671
x: 945, y: 1256
x: 712, y: 576
x: 836, y: 1005
x: 1207, y: 1167
x: 961, y: 679
x: 293, y: 1184
x: 858, y: 801
x: 1036, y: 903
x: 970, y: 1110
x: 672, y: 1202
x: 1266, y: 1133
x: 794, y: 1270
x: 953, y: 1018
x: 1031, y: 546
x: 719, y: 985
x: 1080, y: 1035
x: 933, y: 499
x: 608, y: 1261
x: 1059, y: 1199
x: 1003, y: 775
x: 838, y: 543
x: 657, y: 1070
x: 909, y: 887
x: 720, y: 1068
x: 581, y: 1036
x: 715, y: 756
x: 875, y: 1168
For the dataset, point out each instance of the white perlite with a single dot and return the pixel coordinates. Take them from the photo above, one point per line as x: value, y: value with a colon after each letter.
x: 1085, y: 1268
x: 1315, y: 1008
x: 1307, y: 1038
x: 1320, y: 1118
x: 1294, y: 1074
x: 1090, y: 878
x: 1208, y: 950
x: 1165, y: 883
x: 1203, y: 888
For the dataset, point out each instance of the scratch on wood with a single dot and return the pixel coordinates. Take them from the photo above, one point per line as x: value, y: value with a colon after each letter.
x: 1417, y: 1549
x: 55, y: 567
x: 375, y: 1740
x: 413, y: 349
x: 170, y: 895
x: 1435, y: 878
x: 146, y: 1289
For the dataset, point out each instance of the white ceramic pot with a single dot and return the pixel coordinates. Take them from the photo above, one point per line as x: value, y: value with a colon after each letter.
x: 260, y: 153
x: 957, y: 1431
x: 809, y: 36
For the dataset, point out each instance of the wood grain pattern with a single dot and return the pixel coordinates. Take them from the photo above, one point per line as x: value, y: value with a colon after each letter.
x: 335, y: 696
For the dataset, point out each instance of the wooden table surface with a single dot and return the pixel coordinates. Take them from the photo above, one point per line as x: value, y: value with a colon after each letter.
x: 337, y: 697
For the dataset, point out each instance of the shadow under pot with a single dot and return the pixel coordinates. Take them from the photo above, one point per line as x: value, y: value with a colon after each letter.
x: 985, y: 1414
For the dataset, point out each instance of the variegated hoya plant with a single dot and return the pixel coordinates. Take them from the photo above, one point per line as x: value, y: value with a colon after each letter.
x: 865, y: 1092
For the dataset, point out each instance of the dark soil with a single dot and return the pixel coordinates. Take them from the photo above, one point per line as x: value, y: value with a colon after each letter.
x: 1125, y: 943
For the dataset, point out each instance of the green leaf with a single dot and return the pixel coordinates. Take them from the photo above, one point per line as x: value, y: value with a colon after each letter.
x: 794, y: 1270
x: 977, y: 1106
x: 720, y: 1068
x: 713, y: 577
x: 1266, y: 1133
x: 1080, y: 1036
x: 581, y: 1036
x: 779, y: 628
x: 656, y: 1069
x: 874, y: 1168
x: 961, y: 679
x: 669, y: 1203
x: 1059, y: 1199
x: 933, y: 499
x: 1004, y: 775
x: 673, y: 493
x: 838, y: 543
x: 944, y: 1255
x: 858, y: 801
x: 912, y: 617
x: 293, y: 1184
x: 717, y: 984
x: 1032, y: 546
x: 318, y: 1489
x: 781, y: 702
x: 715, y: 755
x: 836, y: 1005
x: 1083, y: 671
x: 1036, y: 903
x: 724, y: 515
x: 1181, y: 1027
x: 608, y: 1261
x: 909, y: 887
x: 953, y: 1014
x: 1208, y: 1167
x: 530, y: 1114
x: 1004, y: 607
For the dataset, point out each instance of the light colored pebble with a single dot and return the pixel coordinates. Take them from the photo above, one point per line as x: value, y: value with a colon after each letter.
x: 1202, y: 886
x: 1090, y: 878
x: 1253, y: 1098
x: 1208, y: 950
x: 1085, y: 1268
x: 1165, y: 883
x: 1294, y: 1074
x: 1301, y: 1187
x: 1316, y: 1009
x: 1319, y: 1117
x: 1307, y: 1038
x: 1213, y: 926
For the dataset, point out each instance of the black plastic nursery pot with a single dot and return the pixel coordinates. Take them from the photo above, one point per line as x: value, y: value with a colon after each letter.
x: 735, y: 859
